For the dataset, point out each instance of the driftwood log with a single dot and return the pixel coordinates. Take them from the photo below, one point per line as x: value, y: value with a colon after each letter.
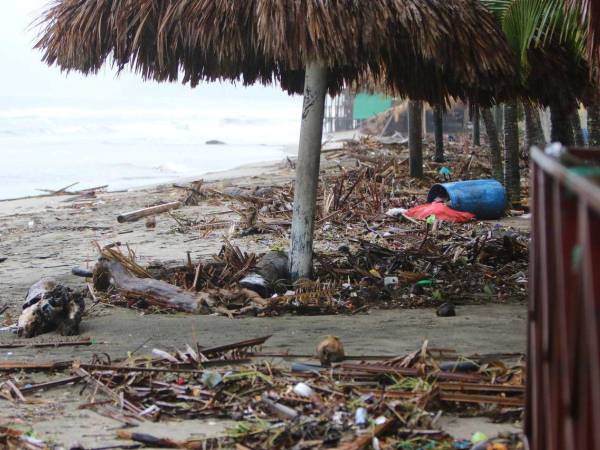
x: 134, y: 216
x: 112, y: 274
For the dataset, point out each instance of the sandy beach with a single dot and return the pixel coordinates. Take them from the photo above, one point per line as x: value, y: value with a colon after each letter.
x: 48, y: 236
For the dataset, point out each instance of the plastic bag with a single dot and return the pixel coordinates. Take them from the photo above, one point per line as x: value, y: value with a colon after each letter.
x: 441, y: 211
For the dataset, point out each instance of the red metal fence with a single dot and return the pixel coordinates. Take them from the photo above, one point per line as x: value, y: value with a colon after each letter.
x: 563, y: 396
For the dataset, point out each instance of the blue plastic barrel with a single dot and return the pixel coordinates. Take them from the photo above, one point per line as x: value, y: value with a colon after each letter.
x: 484, y: 198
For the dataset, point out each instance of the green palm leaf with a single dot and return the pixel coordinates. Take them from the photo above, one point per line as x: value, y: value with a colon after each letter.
x: 535, y: 23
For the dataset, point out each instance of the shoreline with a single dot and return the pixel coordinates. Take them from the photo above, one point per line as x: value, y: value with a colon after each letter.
x: 242, y: 171
x: 124, y: 178
x: 31, y: 204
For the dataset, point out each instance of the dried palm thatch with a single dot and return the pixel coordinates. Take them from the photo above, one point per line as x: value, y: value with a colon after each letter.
x: 426, y: 49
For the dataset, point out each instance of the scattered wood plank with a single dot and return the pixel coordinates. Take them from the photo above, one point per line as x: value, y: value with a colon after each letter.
x: 134, y: 216
x: 25, y: 343
x: 49, y: 384
x: 6, y: 366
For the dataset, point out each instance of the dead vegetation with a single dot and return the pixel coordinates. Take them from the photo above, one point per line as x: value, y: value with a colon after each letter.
x: 368, y: 254
x: 357, y: 403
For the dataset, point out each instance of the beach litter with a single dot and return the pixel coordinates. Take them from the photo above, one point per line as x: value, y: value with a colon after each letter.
x: 440, y: 211
x: 50, y: 306
x: 364, y: 239
x: 396, y: 400
x: 134, y: 216
x: 485, y: 199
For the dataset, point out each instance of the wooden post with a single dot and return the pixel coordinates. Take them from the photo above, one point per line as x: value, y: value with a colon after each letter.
x: 476, y: 129
x: 438, y: 129
x: 415, y: 138
x: 307, y: 171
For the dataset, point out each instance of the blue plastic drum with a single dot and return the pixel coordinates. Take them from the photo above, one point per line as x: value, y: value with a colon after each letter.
x: 484, y: 198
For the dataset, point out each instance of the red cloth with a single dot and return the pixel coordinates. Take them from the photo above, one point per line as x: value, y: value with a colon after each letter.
x: 441, y: 212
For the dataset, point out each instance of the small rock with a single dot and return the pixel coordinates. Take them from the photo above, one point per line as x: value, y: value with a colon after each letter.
x: 446, y: 310
x: 151, y: 222
x: 343, y: 249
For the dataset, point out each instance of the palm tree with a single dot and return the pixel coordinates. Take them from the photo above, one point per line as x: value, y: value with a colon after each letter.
x: 540, y: 32
x: 494, y: 143
x: 512, y: 175
x: 534, y: 135
x: 476, y: 128
x: 593, y: 122
x: 577, y: 131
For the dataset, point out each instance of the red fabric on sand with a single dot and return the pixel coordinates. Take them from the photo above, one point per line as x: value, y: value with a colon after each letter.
x: 441, y: 212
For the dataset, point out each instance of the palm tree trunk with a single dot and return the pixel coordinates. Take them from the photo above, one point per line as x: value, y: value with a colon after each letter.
x: 307, y: 172
x: 534, y: 135
x: 476, y: 129
x: 494, y: 141
x: 562, y: 129
x: 438, y: 126
x: 577, y: 131
x: 415, y: 138
x: 512, y: 176
x: 499, y: 118
x: 593, y: 123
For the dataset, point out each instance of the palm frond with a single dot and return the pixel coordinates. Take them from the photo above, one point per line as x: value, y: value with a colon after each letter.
x: 589, y: 13
x: 536, y: 24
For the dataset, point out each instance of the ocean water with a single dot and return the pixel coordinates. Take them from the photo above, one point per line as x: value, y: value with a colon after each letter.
x: 51, y: 145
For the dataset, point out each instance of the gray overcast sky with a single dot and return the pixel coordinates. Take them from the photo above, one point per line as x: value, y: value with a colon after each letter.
x: 25, y: 80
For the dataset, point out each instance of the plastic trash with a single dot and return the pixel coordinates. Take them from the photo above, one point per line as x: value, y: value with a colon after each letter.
x: 283, y: 411
x: 211, y: 379
x: 441, y: 212
x: 390, y: 281
x: 302, y: 367
x: 463, y: 444
x: 375, y: 443
x: 459, y: 366
x: 478, y: 437
x: 486, y: 199
x: 446, y: 173
x: 360, y: 417
x: 303, y: 390
x: 395, y: 212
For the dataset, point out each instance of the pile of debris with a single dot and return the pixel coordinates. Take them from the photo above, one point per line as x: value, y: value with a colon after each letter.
x: 369, y: 253
x: 387, y: 404
x: 409, y: 267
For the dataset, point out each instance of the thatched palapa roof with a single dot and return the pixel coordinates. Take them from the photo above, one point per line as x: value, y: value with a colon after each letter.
x: 426, y: 49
